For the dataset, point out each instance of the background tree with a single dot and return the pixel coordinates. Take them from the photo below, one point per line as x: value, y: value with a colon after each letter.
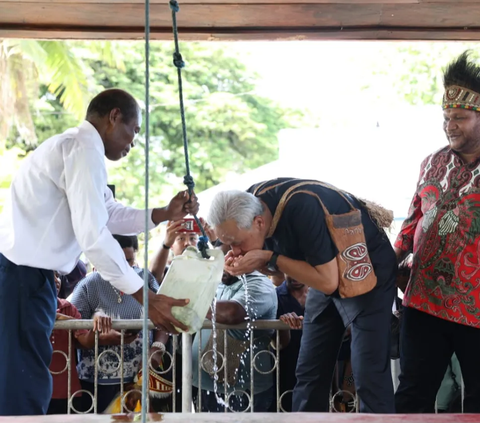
x: 411, y: 73
x: 33, y: 73
x: 231, y: 129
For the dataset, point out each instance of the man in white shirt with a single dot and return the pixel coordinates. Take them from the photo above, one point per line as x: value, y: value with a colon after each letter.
x: 59, y: 206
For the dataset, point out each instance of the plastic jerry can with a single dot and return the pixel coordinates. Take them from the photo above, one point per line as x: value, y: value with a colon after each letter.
x: 193, y: 277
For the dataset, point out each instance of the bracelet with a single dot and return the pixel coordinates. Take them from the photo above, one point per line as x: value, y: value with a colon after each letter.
x: 160, y: 346
x: 166, y: 246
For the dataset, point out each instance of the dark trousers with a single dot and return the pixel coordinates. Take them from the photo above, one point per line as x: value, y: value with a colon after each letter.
x: 370, y: 355
x: 28, y: 303
x: 60, y: 406
x: 427, y: 344
x: 237, y: 403
x: 105, y: 395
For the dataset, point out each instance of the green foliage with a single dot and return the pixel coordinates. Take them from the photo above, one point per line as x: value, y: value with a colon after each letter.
x: 49, y: 116
x: 230, y: 129
x: 33, y: 73
x: 65, y: 76
x: 412, y: 72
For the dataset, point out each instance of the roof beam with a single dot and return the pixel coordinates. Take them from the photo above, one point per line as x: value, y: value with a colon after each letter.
x: 244, y: 19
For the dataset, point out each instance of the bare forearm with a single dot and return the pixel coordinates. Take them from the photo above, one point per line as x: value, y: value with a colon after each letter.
x: 160, y: 215
x: 160, y: 336
x: 284, y: 338
x: 324, y: 278
x: 139, y: 295
x: 229, y: 313
x: 87, y: 340
x: 104, y: 340
x: 159, y: 263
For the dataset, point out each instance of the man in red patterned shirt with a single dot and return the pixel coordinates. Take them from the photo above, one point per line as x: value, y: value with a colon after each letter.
x: 442, y: 300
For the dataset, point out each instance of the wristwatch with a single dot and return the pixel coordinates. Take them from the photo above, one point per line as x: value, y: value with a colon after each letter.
x: 272, y: 263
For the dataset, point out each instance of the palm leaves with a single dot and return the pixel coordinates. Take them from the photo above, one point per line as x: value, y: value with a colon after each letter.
x: 27, y: 64
x: 65, y: 75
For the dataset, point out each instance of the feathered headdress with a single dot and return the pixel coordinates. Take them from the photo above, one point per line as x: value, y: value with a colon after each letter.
x: 461, y: 80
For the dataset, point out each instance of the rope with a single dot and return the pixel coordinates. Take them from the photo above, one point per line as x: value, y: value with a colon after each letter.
x: 146, y: 332
x: 187, y: 179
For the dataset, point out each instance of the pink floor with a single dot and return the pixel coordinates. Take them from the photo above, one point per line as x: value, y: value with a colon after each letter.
x: 258, y: 418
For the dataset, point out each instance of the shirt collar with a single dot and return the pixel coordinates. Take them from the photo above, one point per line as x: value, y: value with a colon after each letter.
x: 470, y: 166
x: 87, y: 128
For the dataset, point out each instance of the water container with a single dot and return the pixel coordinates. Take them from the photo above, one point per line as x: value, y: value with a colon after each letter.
x: 193, y: 277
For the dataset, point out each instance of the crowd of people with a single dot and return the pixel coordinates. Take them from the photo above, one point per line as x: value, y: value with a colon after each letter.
x: 327, y: 250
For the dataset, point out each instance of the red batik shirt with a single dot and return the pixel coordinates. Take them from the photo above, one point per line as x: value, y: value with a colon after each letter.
x: 443, y: 231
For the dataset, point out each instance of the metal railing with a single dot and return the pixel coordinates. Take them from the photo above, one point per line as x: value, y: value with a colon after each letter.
x: 187, y: 371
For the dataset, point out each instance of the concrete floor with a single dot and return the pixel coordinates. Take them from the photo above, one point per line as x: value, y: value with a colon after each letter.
x: 257, y: 418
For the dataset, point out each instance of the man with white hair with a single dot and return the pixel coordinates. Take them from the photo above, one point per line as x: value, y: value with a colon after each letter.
x: 293, y: 226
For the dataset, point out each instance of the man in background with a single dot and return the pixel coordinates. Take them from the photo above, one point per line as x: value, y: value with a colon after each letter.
x: 174, y: 244
x: 238, y: 299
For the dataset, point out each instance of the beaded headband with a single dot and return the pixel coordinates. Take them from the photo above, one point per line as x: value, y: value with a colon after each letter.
x: 461, y: 98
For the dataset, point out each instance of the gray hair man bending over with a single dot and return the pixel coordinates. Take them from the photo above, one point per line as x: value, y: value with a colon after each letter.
x: 295, y: 226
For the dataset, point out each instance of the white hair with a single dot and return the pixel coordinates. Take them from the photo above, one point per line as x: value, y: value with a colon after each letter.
x: 240, y: 206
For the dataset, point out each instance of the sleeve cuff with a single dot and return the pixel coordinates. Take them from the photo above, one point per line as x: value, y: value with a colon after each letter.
x: 129, y: 283
x: 140, y: 221
x: 151, y: 225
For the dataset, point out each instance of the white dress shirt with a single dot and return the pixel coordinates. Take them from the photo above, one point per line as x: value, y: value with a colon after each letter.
x: 59, y: 205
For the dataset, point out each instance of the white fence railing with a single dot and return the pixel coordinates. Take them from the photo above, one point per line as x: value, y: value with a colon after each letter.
x: 251, y: 328
x: 274, y: 326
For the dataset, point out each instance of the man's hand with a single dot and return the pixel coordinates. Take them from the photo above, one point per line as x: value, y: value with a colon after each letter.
x: 101, y: 322
x: 253, y: 260
x: 181, y: 205
x: 208, y: 230
x: 172, y: 232
x: 160, y: 312
x: 115, y: 338
x: 292, y: 320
